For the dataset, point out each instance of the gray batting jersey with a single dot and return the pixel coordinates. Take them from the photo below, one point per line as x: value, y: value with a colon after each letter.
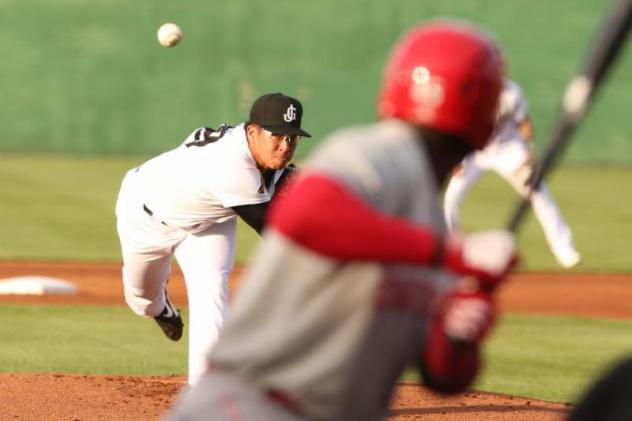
x: 321, y: 330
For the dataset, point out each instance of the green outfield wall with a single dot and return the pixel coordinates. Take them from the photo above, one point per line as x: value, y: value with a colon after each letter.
x: 89, y: 77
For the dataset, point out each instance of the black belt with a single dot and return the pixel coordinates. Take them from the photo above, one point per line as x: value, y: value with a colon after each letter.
x: 147, y: 210
x: 150, y: 213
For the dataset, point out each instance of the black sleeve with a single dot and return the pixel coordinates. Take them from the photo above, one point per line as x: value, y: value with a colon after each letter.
x: 253, y: 215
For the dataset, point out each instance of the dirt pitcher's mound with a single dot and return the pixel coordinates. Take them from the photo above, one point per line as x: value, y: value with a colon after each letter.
x: 414, y: 402
x: 106, y: 397
x: 68, y: 397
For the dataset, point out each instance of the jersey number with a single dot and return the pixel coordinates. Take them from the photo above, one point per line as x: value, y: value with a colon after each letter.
x: 206, y: 135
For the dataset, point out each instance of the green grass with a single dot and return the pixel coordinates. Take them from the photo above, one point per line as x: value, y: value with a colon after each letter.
x: 547, y: 357
x: 59, y: 207
x: 86, y: 339
x: 62, y: 208
x: 593, y: 201
x: 550, y: 358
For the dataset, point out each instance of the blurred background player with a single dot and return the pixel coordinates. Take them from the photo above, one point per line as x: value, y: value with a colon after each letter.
x: 510, y: 154
x: 184, y: 203
x: 356, y: 277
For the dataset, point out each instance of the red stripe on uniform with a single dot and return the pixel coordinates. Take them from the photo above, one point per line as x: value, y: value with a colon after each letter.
x: 322, y: 215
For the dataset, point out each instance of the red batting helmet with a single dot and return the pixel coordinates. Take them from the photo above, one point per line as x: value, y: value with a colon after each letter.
x: 447, y: 76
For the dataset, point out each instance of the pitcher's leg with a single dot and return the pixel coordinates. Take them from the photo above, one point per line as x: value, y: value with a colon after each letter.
x: 206, y: 260
x: 144, y: 280
x: 146, y: 248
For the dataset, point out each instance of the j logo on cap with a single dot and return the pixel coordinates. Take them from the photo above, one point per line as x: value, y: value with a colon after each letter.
x: 290, y: 114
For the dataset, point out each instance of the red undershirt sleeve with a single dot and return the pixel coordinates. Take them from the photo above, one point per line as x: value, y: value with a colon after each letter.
x: 324, y: 216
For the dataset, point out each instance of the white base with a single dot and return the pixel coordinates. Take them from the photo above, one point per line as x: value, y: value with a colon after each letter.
x: 36, y: 285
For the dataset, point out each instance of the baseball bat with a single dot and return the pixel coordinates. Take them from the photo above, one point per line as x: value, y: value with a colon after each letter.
x: 579, y: 93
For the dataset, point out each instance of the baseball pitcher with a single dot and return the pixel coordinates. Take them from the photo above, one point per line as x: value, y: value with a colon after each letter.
x: 184, y: 203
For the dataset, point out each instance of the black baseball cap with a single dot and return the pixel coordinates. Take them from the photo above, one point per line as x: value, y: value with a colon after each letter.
x: 278, y: 113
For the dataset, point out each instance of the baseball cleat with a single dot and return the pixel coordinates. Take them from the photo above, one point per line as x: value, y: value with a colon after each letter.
x: 569, y: 259
x: 170, y: 321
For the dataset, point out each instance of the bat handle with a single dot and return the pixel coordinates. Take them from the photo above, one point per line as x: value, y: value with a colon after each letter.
x: 562, y: 130
x: 519, y: 213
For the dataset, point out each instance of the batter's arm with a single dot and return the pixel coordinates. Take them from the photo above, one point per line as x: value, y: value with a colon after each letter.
x: 324, y: 216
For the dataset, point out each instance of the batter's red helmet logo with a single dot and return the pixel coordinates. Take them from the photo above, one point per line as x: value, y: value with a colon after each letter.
x: 426, y: 90
x: 445, y: 75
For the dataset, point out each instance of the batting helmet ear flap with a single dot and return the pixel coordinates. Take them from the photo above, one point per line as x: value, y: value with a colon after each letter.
x: 447, y: 76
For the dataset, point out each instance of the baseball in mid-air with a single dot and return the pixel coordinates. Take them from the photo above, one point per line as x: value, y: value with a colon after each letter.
x: 169, y: 34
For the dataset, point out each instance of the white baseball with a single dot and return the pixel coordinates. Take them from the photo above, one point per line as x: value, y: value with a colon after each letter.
x: 169, y: 34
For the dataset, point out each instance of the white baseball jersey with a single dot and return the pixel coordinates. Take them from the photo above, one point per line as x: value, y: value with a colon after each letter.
x: 179, y: 204
x: 196, y: 184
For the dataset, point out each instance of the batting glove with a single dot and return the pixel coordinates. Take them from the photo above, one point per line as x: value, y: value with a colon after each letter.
x: 451, y: 359
x: 487, y: 256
